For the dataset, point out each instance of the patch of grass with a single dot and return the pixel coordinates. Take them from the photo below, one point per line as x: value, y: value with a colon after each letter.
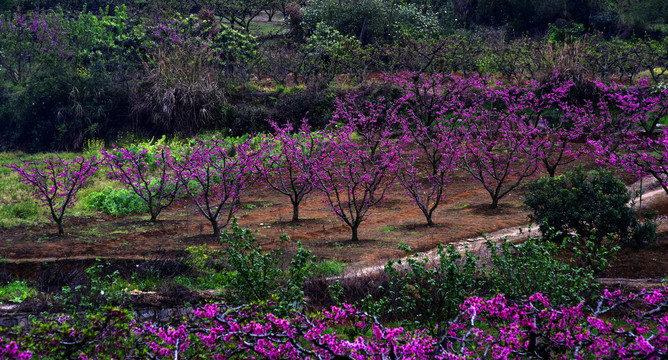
x: 216, y: 280
x: 20, y: 213
x: 328, y: 267
x: 268, y: 28
x: 16, y: 292
x: 151, y: 281
x: 388, y: 229
x: 459, y: 207
x: 93, y: 231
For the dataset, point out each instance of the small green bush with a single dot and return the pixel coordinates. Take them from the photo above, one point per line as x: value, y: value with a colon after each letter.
x: 16, y: 292
x: 115, y: 202
x: 256, y: 275
x: 25, y: 210
x: 592, y: 205
x: 520, y: 271
x: 429, y: 292
x: 371, y: 20
x: 103, y: 288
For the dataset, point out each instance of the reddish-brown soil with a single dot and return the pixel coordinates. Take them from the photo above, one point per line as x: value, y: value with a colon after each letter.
x: 464, y: 213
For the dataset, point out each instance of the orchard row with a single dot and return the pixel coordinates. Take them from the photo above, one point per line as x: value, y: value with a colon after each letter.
x: 444, y: 125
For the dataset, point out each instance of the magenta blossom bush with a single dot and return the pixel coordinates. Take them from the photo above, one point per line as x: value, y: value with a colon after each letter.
x: 494, y: 328
x: 56, y: 182
x: 500, y: 329
x: 10, y: 351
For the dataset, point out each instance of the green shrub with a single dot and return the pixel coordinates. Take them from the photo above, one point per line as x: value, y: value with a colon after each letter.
x: 199, y: 258
x: 429, y: 292
x: 520, y: 271
x: 61, y: 106
x: 370, y: 20
x: 16, y: 292
x: 593, y: 205
x: 256, y: 275
x: 115, y: 202
x: 101, y: 289
x: 414, y: 22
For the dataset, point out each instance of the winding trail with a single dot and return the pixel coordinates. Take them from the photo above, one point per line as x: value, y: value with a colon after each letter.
x: 651, y: 190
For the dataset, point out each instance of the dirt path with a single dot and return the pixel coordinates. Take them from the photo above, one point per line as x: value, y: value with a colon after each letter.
x: 652, y: 192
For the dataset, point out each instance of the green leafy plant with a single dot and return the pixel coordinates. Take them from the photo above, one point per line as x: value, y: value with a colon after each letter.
x: 199, y: 258
x: 520, y: 271
x: 115, y: 202
x: 101, y: 290
x: 429, y: 291
x: 593, y: 205
x: 256, y: 275
x: 16, y: 291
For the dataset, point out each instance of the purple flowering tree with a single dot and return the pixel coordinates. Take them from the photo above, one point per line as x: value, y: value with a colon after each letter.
x: 56, y: 182
x: 355, y: 167
x: 285, y: 155
x: 214, y: 174
x: 498, y: 150
x: 147, y: 174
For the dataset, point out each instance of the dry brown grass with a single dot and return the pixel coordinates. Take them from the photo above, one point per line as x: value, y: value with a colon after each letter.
x: 180, y: 92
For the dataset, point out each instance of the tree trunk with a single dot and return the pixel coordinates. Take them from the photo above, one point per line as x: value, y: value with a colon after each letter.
x: 295, y: 212
x: 427, y: 216
x: 495, y: 203
x: 354, y: 229
x: 551, y: 169
x: 61, y: 230
x: 216, y: 227
x: 363, y: 32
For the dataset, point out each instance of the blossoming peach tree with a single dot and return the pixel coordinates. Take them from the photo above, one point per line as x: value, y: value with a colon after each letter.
x: 355, y: 167
x: 215, y: 173
x: 56, y: 182
x: 147, y: 174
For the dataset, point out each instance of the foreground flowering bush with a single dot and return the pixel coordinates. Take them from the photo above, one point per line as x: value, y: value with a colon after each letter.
x: 495, y: 328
